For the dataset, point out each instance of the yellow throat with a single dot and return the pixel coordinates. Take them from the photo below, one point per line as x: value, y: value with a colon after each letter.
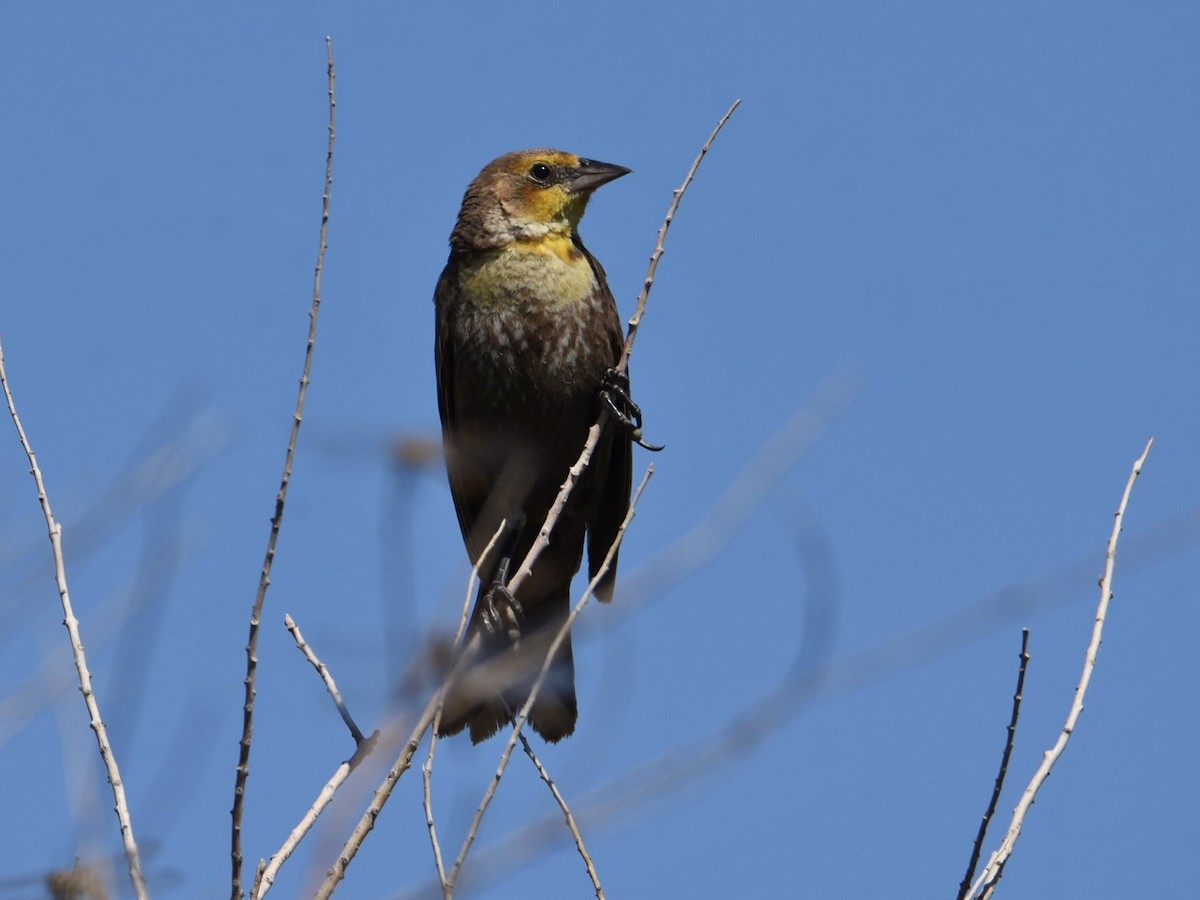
x: 550, y: 270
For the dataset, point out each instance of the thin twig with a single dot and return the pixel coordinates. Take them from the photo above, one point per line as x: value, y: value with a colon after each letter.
x: 593, y: 437
x: 427, y: 768
x: 51, y: 678
x: 660, y: 243
x: 572, y: 825
x: 519, y: 720
x: 985, y: 884
x: 430, y: 822
x: 964, y: 886
x: 326, y: 677
x: 54, y: 528
x: 243, y: 766
x: 161, y: 464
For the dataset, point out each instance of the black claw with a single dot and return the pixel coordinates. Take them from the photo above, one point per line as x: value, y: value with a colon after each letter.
x: 502, y: 612
x: 614, y: 394
x: 653, y: 448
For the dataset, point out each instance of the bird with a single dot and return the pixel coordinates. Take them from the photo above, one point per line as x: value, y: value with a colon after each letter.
x: 527, y: 342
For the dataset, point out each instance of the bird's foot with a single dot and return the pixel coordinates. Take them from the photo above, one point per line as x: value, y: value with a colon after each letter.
x: 614, y: 394
x: 502, y: 612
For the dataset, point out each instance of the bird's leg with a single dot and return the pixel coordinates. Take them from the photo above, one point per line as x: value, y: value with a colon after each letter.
x: 501, y: 611
x: 614, y: 394
x: 499, y: 608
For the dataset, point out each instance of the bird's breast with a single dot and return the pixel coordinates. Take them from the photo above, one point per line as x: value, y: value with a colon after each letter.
x: 532, y: 334
x: 550, y: 271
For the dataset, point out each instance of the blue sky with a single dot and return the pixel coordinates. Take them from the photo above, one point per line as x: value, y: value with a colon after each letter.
x: 985, y: 216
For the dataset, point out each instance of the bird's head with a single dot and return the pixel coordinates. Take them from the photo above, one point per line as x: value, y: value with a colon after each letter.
x: 528, y: 195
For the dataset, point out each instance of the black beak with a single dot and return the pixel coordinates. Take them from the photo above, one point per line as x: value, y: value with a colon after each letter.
x: 590, y: 174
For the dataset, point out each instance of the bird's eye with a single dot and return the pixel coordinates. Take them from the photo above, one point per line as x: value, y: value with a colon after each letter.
x: 540, y: 172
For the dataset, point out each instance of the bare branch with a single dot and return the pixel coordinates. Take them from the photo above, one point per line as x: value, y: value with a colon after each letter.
x: 243, y: 766
x: 964, y: 886
x: 132, y: 857
x: 985, y: 884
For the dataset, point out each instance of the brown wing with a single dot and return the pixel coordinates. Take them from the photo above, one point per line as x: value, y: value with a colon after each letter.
x: 614, y: 504
x: 443, y: 355
x: 614, y: 490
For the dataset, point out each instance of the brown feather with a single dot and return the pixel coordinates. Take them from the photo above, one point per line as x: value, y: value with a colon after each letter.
x: 525, y: 331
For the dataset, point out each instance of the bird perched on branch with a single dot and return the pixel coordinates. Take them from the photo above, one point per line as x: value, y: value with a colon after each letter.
x: 528, y: 338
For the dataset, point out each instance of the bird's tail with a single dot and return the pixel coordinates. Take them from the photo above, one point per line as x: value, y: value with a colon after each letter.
x: 495, y: 674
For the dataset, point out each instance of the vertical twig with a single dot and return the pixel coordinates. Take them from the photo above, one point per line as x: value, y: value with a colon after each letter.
x: 243, y: 766
x: 132, y: 857
x: 430, y: 821
x: 964, y: 886
x: 985, y: 884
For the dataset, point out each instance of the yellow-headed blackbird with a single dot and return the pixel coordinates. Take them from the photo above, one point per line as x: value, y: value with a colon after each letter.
x: 527, y: 336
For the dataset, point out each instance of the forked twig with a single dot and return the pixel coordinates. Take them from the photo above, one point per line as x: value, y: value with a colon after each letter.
x: 363, y: 747
x: 132, y: 857
x: 985, y: 885
x: 264, y: 581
